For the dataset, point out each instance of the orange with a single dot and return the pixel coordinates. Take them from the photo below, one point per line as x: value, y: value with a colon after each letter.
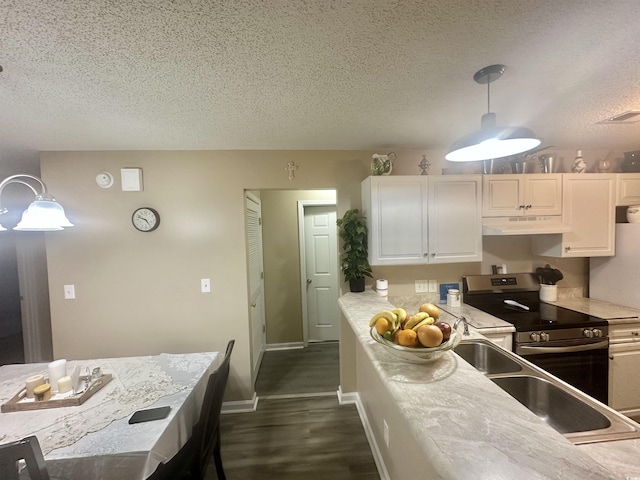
x: 407, y: 338
x: 383, y: 325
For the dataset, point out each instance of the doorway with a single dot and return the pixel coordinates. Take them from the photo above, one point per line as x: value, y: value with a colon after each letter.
x: 292, y: 357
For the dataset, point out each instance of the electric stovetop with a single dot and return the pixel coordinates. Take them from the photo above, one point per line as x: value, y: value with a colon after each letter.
x: 489, y: 292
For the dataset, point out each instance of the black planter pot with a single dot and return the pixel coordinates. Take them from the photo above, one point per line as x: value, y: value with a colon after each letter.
x: 357, y: 285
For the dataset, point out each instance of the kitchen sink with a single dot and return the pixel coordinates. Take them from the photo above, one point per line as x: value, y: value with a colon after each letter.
x: 580, y: 418
x: 557, y: 407
x: 486, y: 358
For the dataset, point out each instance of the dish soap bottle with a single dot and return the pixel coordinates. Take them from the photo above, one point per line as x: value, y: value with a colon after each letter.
x: 578, y: 164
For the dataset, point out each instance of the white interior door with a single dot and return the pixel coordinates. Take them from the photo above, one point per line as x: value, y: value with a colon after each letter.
x: 321, y: 271
x: 256, y: 282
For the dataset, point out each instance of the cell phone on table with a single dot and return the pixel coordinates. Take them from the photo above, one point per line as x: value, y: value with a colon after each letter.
x: 149, y: 414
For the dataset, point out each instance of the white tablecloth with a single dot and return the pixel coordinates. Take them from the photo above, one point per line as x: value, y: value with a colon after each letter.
x: 95, y: 440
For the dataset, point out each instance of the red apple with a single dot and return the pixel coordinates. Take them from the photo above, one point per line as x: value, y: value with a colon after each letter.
x: 446, y: 329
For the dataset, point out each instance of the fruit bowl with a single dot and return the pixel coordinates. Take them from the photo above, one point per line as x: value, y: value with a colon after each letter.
x: 418, y: 354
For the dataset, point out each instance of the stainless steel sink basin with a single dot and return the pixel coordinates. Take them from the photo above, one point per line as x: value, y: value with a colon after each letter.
x: 577, y: 416
x: 557, y: 407
x: 486, y: 358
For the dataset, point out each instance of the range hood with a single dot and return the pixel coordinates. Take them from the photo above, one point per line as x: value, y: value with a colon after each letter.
x: 534, y: 225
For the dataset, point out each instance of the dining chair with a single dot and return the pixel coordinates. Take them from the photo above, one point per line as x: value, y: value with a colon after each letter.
x: 192, y: 460
x: 27, y: 449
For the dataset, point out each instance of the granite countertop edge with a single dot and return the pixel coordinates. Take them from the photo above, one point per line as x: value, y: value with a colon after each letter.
x: 488, y: 445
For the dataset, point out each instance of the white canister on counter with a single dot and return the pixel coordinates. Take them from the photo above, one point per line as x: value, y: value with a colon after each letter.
x: 453, y: 297
x: 382, y: 287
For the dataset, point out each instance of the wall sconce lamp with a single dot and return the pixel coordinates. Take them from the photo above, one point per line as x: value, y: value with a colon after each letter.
x: 491, y: 141
x: 44, y: 214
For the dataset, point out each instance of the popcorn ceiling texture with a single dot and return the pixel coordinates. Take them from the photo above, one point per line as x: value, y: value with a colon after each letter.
x: 285, y: 74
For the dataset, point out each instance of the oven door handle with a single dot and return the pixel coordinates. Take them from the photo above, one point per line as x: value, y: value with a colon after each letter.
x: 525, y: 350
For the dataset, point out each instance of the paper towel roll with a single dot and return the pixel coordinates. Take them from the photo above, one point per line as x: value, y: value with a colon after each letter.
x: 382, y: 287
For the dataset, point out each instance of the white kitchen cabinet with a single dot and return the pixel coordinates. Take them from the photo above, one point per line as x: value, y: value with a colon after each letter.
x: 518, y: 195
x: 415, y: 220
x: 624, y: 358
x: 505, y: 340
x: 588, y: 208
x: 627, y: 189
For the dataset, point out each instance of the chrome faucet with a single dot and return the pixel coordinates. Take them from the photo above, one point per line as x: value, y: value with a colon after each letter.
x: 465, y: 322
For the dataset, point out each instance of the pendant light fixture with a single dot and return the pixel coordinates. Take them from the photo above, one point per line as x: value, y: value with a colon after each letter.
x: 491, y: 141
x: 44, y: 214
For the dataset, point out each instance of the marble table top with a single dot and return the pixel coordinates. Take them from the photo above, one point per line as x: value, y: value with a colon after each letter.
x: 468, y: 427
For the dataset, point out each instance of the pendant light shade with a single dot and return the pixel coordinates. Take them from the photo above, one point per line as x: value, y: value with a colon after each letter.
x: 44, y: 214
x: 491, y: 141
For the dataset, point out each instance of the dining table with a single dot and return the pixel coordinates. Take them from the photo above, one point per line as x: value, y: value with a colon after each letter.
x: 95, y: 439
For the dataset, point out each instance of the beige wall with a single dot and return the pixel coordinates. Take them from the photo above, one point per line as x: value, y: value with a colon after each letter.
x: 283, y: 302
x: 140, y: 294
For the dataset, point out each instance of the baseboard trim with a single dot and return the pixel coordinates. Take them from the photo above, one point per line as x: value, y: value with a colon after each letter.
x: 375, y: 450
x: 347, y: 398
x: 241, y: 406
x: 284, y: 346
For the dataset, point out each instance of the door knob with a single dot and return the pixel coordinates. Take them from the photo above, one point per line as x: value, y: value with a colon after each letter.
x: 308, y: 281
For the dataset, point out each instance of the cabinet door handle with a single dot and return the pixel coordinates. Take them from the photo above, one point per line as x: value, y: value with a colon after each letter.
x: 610, y: 357
x: 425, y: 254
x: 634, y: 333
x: 528, y: 206
x: 520, y: 207
x: 566, y: 249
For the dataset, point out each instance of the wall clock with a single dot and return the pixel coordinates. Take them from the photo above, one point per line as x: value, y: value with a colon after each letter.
x: 145, y: 219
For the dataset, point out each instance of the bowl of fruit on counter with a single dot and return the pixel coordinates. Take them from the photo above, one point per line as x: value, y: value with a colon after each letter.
x: 417, y: 338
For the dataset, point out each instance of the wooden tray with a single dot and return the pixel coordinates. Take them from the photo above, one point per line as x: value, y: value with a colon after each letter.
x: 15, y: 404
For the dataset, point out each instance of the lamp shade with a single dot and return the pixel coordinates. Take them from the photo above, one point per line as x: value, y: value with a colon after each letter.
x: 44, y: 214
x: 492, y: 141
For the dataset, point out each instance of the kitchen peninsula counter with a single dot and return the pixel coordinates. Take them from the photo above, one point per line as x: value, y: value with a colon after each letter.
x: 615, y: 314
x: 447, y: 420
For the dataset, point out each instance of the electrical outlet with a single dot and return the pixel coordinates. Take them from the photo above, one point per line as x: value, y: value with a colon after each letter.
x: 433, y: 286
x: 205, y: 285
x: 386, y: 433
x: 422, y: 286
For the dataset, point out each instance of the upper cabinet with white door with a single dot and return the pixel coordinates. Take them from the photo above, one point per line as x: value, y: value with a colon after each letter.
x: 589, y: 210
x: 628, y: 189
x: 518, y: 195
x: 415, y: 220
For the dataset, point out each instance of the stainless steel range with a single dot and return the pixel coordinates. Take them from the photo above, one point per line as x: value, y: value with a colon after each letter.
x: 570, y: 345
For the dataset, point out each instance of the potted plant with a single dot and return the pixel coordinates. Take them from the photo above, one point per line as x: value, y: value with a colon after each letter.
x: 354, y: 261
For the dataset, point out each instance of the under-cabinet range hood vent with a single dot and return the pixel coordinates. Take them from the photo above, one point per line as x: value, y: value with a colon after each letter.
x: 524, y: 225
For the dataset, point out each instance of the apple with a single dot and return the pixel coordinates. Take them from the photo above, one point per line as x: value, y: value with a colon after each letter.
x: 445, y: 328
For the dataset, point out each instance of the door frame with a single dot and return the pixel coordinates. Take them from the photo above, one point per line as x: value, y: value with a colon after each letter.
x: 303, y: 264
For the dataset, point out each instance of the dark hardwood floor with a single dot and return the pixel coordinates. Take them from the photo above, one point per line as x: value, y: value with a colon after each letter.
x: 311, y: 438
x: 299, y: 430
x: 313, y: 369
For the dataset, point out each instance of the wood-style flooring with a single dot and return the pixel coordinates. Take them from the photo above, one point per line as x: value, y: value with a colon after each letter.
x: 312, y: 438
x: 313, y: 369
x: 299, y: 430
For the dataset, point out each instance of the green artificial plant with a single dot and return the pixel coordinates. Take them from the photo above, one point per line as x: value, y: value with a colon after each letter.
x: 354, y: 261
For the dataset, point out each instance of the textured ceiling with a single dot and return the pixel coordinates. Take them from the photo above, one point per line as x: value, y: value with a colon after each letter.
x: 311, y: 74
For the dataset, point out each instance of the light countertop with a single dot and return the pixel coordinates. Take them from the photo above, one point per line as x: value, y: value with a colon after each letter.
x: 491, y: 434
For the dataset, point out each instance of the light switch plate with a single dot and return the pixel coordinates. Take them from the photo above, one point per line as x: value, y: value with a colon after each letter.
x: 205, y: 285
x: 433, y: 286
x: 69, y: 292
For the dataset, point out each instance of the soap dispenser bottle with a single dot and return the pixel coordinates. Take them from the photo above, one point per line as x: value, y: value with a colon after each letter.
x: 578, y: 164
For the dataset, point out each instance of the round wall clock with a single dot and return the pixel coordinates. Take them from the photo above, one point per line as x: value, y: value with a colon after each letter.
x: 145, y: 219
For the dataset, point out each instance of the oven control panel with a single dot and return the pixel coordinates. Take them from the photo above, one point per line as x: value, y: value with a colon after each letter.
x: 502, y: 281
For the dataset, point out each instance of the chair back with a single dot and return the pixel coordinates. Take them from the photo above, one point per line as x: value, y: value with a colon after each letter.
x: 206, y: 434
x: 27, y: 449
